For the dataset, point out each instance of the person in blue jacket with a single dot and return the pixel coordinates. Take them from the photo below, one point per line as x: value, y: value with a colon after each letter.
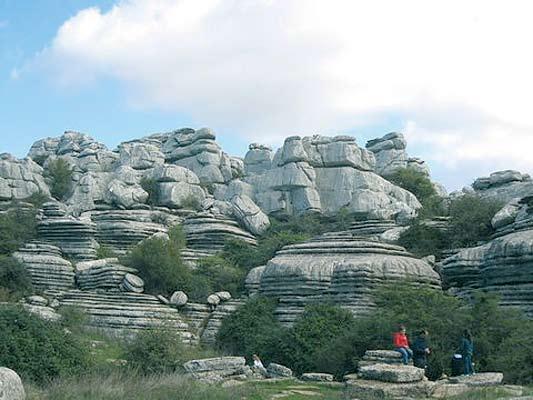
x: 467, y: 351
x: 421, y: 349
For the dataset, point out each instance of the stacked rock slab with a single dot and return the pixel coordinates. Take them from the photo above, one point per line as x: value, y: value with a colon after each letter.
x: 105, y: 274
x: 323, y: 174
x: 504, y: 186
x: 122, y: 229
x: 391, y: 155
x: 124, y: 313
x: 340, y: 268
x: 75, y: 236
x: 19, y: 179
x: 209, y: 232
x: 380, y: 357
x: 503, y: 266
x: 47, y: 268
x: 217, y: 370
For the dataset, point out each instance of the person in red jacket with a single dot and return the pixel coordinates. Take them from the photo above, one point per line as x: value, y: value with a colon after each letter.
x: 401, y: 344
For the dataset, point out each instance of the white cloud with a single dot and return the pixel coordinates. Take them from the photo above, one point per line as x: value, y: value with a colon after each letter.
x: 458, y: 73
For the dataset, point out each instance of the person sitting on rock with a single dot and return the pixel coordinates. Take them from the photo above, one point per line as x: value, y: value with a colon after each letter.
x: 421, y: 349
x: 258, y: 366
x: 467, y: 351
x: 401, y: 344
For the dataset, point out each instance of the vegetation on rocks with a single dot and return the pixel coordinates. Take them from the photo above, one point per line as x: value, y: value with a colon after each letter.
x: 150, y: 186
x: 36, y: 349
x: 17, y: 226
x: 59, y: 173
x: 15, y: 281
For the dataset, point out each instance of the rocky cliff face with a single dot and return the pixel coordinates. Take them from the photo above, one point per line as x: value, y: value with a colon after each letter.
x: 504, y: 265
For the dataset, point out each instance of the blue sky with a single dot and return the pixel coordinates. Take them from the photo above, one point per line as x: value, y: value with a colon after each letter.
x: 261, y: 70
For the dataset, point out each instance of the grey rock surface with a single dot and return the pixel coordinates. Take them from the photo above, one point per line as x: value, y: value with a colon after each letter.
x: 10, y: 385
x: 504, y: 186
x: 19, y: 179
x: 278, y: 371
x: 391, y: 373
x: 105, y: 274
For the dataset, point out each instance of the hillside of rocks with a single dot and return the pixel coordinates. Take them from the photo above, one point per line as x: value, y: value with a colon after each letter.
x: 119, y: 197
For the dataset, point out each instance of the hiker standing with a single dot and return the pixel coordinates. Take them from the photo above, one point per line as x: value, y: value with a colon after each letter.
x: 467, y: 351
x: 421, y: 349
x: 401, y: 344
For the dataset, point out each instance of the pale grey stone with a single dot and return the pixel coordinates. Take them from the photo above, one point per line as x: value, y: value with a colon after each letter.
x: 316, y: 377
x: 391, y: 373
x: 249, y: 214
x: 179, y: 298
x: 10, y: 385
x: 278, y: 371
x: 213, y: 300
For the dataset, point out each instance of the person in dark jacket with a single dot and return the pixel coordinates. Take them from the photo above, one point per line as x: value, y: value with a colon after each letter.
x: 421, y: 349
x: 467, y: 351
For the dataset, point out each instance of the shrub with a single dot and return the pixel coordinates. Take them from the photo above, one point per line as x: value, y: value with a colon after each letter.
x: 421, y: 186
x: 471, y: 220
x: 160, y: 264
x: 17, y: 226
x: 192, y: 202
x: 156, y: 351
x: 59, y: 173
x: 151, y: 187
x: 36, y: 349
x: 105, y: 252
x: 316, y: 328
x: 14, y: 278
x: 215, y: 274
x: 423, y: 240
x: 253, y: 328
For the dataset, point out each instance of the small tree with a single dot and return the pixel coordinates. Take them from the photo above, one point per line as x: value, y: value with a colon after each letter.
x: 17, y: 226
x: 14, y: 278
x: 59, y: 173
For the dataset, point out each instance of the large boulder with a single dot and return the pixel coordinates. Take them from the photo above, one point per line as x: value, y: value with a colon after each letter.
x: 391, y: 373
x: 10, y: 385
x: 504, y: 186
x: 341, y: 268
x: 19, y: 179
x: 216, y: 370
x: 250, y: 215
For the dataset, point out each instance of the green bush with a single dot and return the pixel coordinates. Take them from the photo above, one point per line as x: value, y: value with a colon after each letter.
x: 160, y: 264
x: 214, y: 274
x: 15, y: 281
x: 421, y: 186
x: 471, y: 220
x: 422, y: 240
x: 105, y: 252
x: 36, y: 349
x: 156, y: 351
x: 59, y: 173
x: 17, y: 226
x: 251, y: 329
x: 316, y: 328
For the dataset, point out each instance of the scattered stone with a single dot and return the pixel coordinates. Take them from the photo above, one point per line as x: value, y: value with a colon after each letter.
x: 132, y: 283
x: 278, y: 371
x: 316, y: 377
x: 217, y: 370
x: 178, y: 299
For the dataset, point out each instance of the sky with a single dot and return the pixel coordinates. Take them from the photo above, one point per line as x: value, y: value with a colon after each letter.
x: 455, y: 77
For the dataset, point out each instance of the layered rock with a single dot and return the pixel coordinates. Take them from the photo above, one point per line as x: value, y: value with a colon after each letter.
x: 324, y: 174
x: 339, y: 268
x: 122, y: 229
x: 217, y: 370
x: 105, y: 274
x: 177, y: 187
x: 10, y: 385
x: 47, y: 268
x: 19, y: 179
x: 391, y: 155
x: 504, y: 265
x: 75, y: 236
x: 209, y: 232
x: 126, y: 313
x: 504, y: 186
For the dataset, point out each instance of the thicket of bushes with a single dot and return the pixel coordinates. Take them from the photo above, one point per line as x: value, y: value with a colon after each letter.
x: 328, y: 339
x: 17, y: 226
x: 15, y: 281
x: 36, y: 349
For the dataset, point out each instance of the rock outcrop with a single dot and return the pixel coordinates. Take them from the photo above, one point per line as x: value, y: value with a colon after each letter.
x: 504, y: 186
x: 391, y: 155
x: 106, y: 274
x: 217, y: 370
x: 323, y: 174
x: 336, y: 267
x: 19, y: 179
x: 504, y: 265
x: 46, y: 265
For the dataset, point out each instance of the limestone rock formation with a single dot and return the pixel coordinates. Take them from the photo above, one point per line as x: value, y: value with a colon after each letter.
x: 105, y: 274
x: 504, y: 186
x: 47, y: 268
x: 391, y: 373
x: 19, y: 179
x: 216, y: 370
x: 75, y: 236
x: 391, y: 155
x: 10, y: 385
x: 337, y: 267
x: 503, y: 265
x: 215, y: 319
x: 124, y: 313
x: 324, y: 174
